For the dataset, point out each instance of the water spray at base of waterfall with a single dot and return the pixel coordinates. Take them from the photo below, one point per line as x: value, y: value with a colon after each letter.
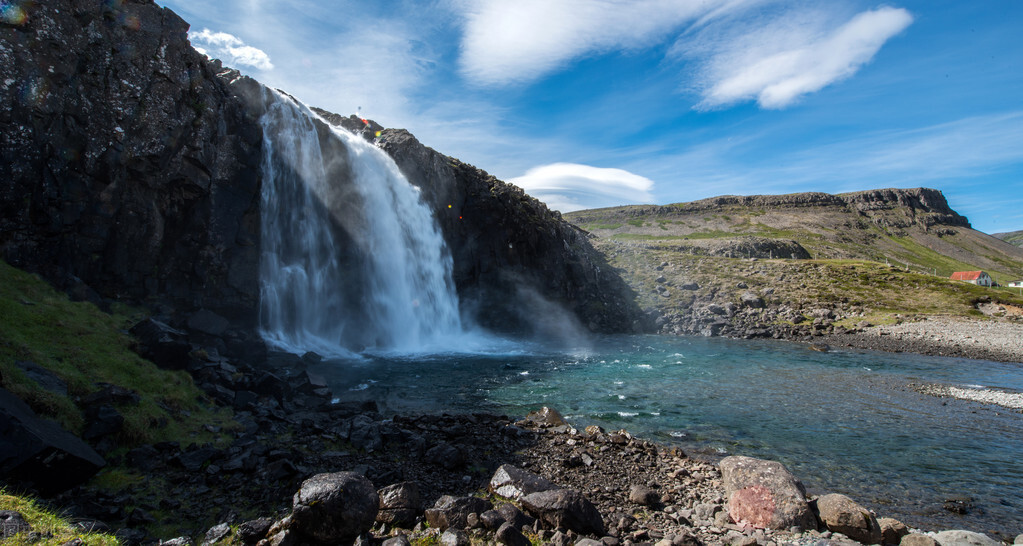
x: 352, y: 259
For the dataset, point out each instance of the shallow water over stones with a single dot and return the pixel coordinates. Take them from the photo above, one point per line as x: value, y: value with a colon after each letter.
x: 843, y: 421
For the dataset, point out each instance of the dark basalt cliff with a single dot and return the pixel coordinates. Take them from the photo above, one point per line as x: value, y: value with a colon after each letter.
x: 130, y: 169
x: 125, y: 164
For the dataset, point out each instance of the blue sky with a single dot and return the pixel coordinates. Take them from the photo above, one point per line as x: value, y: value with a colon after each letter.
x: 591, y: 103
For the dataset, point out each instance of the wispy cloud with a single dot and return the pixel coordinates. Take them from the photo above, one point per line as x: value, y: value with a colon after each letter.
x: 570, y: 186
x: 229, y: 49
x: 514, y: 41
x: 778, y: 61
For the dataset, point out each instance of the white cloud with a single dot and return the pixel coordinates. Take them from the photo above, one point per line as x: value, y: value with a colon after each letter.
x: 570, y: 186
x: 229, y: 49
x: 777, y: 62
x: 510, y: 41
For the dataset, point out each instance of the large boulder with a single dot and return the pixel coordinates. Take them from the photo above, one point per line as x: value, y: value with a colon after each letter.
x: 892, y: 530
x: 964, y: 538
x: 765, y: 494
x: 565, y: 509
x: 514, y: 483
x: 453, y: 512
x: 399, y: 504
x: 38, y: 453
x: 840, y: 514
x: 334, y: 508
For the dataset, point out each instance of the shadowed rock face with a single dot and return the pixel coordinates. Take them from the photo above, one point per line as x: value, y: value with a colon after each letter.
x: 125, y: 162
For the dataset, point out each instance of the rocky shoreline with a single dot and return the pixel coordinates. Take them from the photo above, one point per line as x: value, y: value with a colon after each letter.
x: 468, y: 479
x: 999, y: 341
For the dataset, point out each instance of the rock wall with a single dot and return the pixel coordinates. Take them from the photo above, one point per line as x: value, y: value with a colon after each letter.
x: 127, y: 168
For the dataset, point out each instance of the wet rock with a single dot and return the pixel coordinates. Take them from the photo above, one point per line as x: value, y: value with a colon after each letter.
x: 513, y: 483
x: 565, y: 508
x: 37, y: 453
x: 400, y: 503
x: 765, y: 494
x: 892, y: 530
x: 453, y: 512
x: 508, y: 535
x: 546, y: 417
x: 964, y: 538
x: 12, y: 523
x: 644, y: 496
x: 840, y: 514
x: 336, y: 507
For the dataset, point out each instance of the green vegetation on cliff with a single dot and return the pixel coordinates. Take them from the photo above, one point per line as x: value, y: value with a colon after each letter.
x: 1012, y: 237
x: 85, y: 347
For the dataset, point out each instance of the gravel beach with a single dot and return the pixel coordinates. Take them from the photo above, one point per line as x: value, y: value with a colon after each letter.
x: 1000, y: 341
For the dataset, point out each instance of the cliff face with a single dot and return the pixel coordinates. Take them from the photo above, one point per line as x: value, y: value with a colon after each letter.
x: 513, y: 257
x: 124, y: 161
x: 130, y: 168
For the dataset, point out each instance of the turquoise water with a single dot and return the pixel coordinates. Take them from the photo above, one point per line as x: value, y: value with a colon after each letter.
x: 842, y: 421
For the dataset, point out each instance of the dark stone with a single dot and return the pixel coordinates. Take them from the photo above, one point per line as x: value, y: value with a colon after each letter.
x: 37, y: 453
x: 400, y: 540
x: 491, y: 520
x: 445, y: 456
x: 159, y: 343
x: 216, y: 534
x: 333, y: 508
x: 643, y: 495
x: 194, y: 459
x: 514, y: 516
x: 104, y: 421
x: 143, y: 457
x: 252, y: 531
x: 208, y: 322
x: 512, y: 482
x: 453, y: 512
x: 365, y: 434
x: 130, y: 537
x: 43, y: 377
x: 565, y: 508
x: 508, y: 535
x: 12, y: 523
x: 400, y: 504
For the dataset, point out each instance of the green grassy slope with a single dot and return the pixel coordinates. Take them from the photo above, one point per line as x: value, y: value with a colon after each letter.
x: 84, y: 346
x: 1012, y: 237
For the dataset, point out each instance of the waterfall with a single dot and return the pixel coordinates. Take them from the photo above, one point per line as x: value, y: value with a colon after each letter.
x: 352, y: 259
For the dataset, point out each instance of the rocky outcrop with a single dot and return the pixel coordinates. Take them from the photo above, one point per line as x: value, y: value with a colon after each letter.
x: 126, y: 164
x: 38, y: 453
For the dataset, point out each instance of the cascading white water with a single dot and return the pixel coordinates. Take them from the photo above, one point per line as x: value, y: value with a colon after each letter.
x: 352, y: 258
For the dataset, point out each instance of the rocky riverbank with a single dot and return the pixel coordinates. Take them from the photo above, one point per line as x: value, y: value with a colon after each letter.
x: 463, y: 480
x: 982, y: 339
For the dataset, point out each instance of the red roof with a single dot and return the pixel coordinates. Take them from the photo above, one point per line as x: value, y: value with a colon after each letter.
x: 966, y: 275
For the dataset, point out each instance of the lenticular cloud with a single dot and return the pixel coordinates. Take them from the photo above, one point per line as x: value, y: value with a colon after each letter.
x: 782, y: 61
